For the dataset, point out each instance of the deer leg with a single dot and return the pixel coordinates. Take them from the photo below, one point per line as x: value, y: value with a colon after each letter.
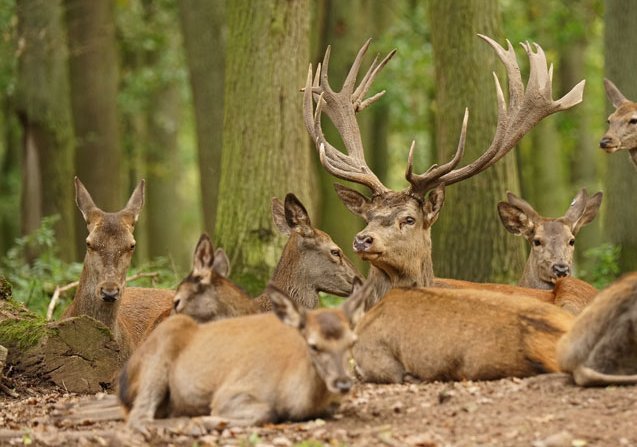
x: 374, y: 363
x: 585, y: 376
x: 235, y: 407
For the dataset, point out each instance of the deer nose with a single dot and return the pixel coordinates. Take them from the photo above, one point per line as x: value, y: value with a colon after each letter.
x: 343, y: 385
x: 176, y: 303
x: 561, y: 270
x: 605, y: 142
x: 363, y: 242
x: 109, y: 293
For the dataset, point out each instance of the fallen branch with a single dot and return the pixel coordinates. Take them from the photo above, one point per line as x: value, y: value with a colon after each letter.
x: 61, y: 289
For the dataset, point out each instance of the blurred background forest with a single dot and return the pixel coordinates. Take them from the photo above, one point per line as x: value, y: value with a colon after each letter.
x: 201, y: 98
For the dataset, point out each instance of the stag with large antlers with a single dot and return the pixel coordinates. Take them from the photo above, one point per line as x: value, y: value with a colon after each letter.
x: 397, y: 239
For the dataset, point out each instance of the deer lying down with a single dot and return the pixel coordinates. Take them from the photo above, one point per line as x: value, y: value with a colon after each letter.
x: 310, y: 262
x: 601, y: 348
x: 445, y: 334
x: 621, y: 133
x: 102, y: 292
x: 246, y: 371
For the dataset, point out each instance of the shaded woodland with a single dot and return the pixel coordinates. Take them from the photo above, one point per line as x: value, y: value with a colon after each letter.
x: 201, y: 99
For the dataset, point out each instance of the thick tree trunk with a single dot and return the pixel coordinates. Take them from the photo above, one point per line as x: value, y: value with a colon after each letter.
x: 265, y: 150
x: 45, y: 115
x: 469, y: 239
x: 94, y: 80
x: 621, y: 177
x: 203, y: 30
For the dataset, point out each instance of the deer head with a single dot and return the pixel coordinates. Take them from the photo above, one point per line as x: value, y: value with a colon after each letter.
x: 397, y: 239
x: 552, y: 240
x: 109, y: 245
x: 310, y: 259
x: 207, y: 293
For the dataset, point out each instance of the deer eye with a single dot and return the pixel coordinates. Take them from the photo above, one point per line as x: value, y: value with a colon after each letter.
x: 571, y: 242
x: 537, y: 242
x: 335, y: 253
x: 410, y: 220
x: 633, y: 121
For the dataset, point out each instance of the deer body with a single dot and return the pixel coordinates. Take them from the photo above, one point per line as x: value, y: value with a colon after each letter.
x: 102, y: 292
x: 601, y: 348
x: 622, y: 124
x: 247, y: 370
x: 443, y: 334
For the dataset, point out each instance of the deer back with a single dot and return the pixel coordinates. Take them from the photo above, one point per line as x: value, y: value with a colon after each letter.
x: 444, y: 334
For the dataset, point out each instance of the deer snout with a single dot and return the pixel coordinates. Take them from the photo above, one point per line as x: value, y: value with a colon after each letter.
x: 363, y: 242
x: 109, y: 292
x: 561, y: 270
x: 343, y: 385
x: 608, y: 143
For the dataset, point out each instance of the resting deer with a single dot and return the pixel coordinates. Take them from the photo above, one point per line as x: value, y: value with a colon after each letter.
x: 102, y: 292
x: 287, y: 365
x: 424, y: 332
x: 310, y: 263
x: 552, y: 240
x: 601, y: 348
x: 397, y: 238
x: 622, y: 124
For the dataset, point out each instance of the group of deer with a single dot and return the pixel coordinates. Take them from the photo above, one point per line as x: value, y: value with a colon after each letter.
x: 223, y: 357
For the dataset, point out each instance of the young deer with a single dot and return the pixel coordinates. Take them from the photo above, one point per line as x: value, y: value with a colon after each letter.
x: 245, y: 371
x: 102, y: 292
x: 310, y: 263
x: 622, y: 124
x: 397, y: 238
x: 552, y: 240
x: 601, y: 348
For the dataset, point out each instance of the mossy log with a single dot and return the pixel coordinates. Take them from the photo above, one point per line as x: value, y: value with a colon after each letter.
x: 78, y: 354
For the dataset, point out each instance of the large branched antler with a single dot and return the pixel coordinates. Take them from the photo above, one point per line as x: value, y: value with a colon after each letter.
x: 526, y: 109
x: 341, y: 107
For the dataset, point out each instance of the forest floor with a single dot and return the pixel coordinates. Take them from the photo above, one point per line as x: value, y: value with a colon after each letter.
x: 543, y: 411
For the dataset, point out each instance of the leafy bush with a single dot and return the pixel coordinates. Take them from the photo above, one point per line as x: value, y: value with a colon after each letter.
x: 605, y: 261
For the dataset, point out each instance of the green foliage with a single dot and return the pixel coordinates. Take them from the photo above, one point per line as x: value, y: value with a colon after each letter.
x: 34, y: 268
x: 327, y: 300
x: 605, y: 261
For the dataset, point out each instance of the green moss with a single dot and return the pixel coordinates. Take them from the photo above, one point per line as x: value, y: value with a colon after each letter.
x: 20, y: 333
x: 5, y: 289
x: 252, y: 281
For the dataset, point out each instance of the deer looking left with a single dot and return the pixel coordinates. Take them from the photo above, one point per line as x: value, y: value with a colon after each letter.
x: 102, y: 292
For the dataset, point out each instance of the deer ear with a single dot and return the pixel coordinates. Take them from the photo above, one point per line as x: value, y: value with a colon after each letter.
x: 278, y: 217
x: 296, y: 216
x: 433, y: 204
x: 221, y: 263
x: 515, y: 220
x: 614, y: 95
x: 592, y: 205
x: 288, y: 311
x: 85, y: 202
x: 353, y: 200
x: 136, y: 201
x: 354, y: 307
x: 203, y: 258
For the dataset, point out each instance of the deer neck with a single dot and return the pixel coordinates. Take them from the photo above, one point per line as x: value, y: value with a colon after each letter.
x: 87, y: 301
x: 293, y: 277
x: 531, y: 276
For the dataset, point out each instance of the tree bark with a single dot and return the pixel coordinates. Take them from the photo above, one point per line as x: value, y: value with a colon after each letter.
x: 265, y: 150
x: 469, y: 239
x: 94, y: 87
x: 621, y: 178
x: 45, y: 115
x: 203, y: 30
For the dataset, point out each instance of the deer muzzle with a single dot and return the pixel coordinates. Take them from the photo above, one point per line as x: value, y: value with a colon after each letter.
x: 609, y: 144
x: 561, y: 270
x: 363, y: 242
x: 109, y: 292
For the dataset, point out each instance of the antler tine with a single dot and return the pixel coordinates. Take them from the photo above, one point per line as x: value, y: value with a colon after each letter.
x: 527, y: 107
x: 367, y: 81
x: 341, y: 107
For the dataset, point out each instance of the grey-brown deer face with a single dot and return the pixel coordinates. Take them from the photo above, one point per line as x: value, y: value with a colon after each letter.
x: 328, y: 333
x: 319, y: 262
x: 622, y: 123
x: 552, y: 240
x: 110, y: 242
x: 398, y: 231
x: 198, y: 295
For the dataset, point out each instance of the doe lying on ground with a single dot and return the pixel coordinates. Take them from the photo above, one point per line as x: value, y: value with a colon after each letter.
x: 102, y: 292
x: 245, y: 371
x: 601, y: 348
x: 622, y: 124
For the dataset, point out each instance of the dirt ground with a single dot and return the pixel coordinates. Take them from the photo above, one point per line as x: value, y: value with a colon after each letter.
x: 543, y: 411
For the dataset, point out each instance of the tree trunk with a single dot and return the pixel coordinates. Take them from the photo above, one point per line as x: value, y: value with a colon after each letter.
x: 10, y: 214
x: 45, y: 115
x: 621, y: 178
x: 265, y: 150
x: 469, y: 240
x: 94, y: 87
x: 203, y: 30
